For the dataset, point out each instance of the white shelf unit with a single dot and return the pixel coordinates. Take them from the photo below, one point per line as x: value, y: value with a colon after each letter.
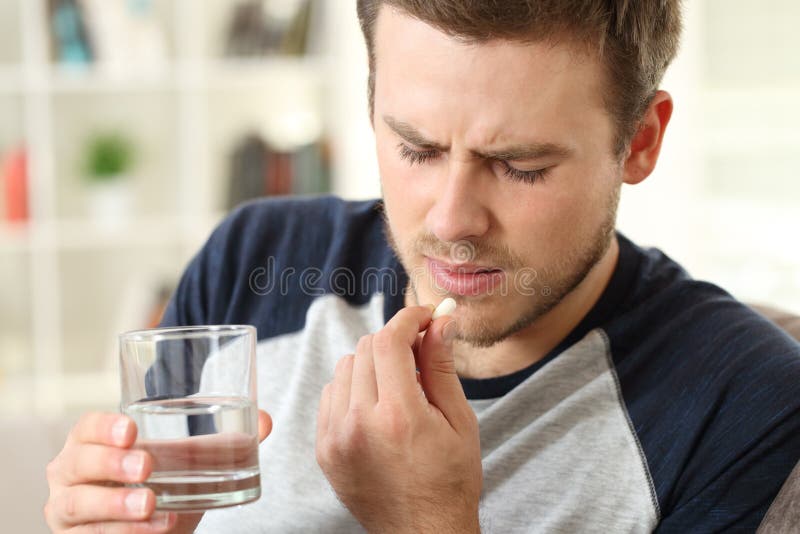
x: 64, y: 277
x: 735, y: 129
x: 724, y: 199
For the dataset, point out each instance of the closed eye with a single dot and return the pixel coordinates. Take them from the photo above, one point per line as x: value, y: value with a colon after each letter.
x: 528, y: 177
x: 416, y: 156
x: 423, y: 156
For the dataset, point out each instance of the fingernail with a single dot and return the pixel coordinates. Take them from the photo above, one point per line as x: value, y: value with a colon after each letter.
x: 159, y: 519
x: 133, y: 464
x: 135, y: 502
x: 449, y: 331
x: 119, y: 431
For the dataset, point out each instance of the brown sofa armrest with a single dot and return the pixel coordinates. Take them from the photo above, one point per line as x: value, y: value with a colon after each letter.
x: 787, y: 321
x: 783, y: 517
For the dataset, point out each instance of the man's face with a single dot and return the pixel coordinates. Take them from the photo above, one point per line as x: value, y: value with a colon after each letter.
x: 498, y: 177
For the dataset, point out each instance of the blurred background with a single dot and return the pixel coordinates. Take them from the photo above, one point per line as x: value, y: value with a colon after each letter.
x: 128, y: 128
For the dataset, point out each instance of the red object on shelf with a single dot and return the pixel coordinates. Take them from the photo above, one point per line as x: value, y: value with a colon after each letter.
x: 278, y: 179
x: 15, y: 183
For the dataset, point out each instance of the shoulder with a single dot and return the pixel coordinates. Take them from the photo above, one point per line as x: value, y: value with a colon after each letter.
x: 711, y: 389
x: 675, y: 334
x: 688, y: 324
x: 296, y: 231
x: 302, y: 209
x: 293, y: 223
x: 268, y: 259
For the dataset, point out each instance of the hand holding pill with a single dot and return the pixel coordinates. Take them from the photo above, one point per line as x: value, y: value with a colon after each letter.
x: 374, y: 425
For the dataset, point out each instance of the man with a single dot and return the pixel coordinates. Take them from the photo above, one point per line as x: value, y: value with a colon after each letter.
x: 582, y: 383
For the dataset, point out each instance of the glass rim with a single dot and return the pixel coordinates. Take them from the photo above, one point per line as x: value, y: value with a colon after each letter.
x: 184, y: 332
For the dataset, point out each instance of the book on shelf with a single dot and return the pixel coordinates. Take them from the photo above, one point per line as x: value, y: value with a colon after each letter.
x: 257, y: 169
x: 70, y: 39
x: 14, y: 180
x: 261, y: 27
x: 117, y: 36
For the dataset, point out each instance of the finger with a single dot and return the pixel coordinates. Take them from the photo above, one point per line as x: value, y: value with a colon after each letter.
x: 417, y: 343
x: 340, y: 391
x: 415, y: 350
x: 438, y: 373
x: 364, y: 389
x: 393, y: 356
x: 324, y: 412
x: 88, y: 462
x: 76, y: 505
x: 264, y: 425
x: 159, y: 522
x: 410, y: 321
x: 104, y: 429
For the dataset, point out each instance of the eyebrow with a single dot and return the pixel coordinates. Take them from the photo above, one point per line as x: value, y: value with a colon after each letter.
x: 411, y: 134
x: 510, y: 153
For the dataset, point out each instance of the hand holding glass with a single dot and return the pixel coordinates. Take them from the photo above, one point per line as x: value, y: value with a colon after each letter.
x: 192, y: 393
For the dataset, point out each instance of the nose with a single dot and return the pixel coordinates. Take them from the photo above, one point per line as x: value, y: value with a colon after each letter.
x: 460, y: 211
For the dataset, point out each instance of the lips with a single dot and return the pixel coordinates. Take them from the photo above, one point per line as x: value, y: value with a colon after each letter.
x: 466, y: 279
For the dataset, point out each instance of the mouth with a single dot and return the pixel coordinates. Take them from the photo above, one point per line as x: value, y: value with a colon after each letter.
x: 465, y: 279
x: 463, y: 268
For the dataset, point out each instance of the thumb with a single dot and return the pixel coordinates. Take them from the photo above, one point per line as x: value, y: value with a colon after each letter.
x: 264, y: 425
x: 437, y: 369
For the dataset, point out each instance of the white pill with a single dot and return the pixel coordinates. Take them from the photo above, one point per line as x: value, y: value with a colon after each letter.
x: 446, y: 307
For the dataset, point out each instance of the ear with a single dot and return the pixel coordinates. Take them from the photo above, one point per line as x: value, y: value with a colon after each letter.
x: 646, y: 144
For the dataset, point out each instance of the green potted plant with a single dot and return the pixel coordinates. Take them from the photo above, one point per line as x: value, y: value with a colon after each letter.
x: 108, y: 160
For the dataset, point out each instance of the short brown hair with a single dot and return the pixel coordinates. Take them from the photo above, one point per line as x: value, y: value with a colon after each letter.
x: 636, y: 39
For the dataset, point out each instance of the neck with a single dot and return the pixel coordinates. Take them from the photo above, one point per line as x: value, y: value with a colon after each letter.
x: 534, y: 342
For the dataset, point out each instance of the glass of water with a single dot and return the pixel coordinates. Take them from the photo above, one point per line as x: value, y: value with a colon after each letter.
x: 192, y: 393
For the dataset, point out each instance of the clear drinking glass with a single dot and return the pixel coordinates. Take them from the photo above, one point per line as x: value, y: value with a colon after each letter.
x: 192, y: 393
